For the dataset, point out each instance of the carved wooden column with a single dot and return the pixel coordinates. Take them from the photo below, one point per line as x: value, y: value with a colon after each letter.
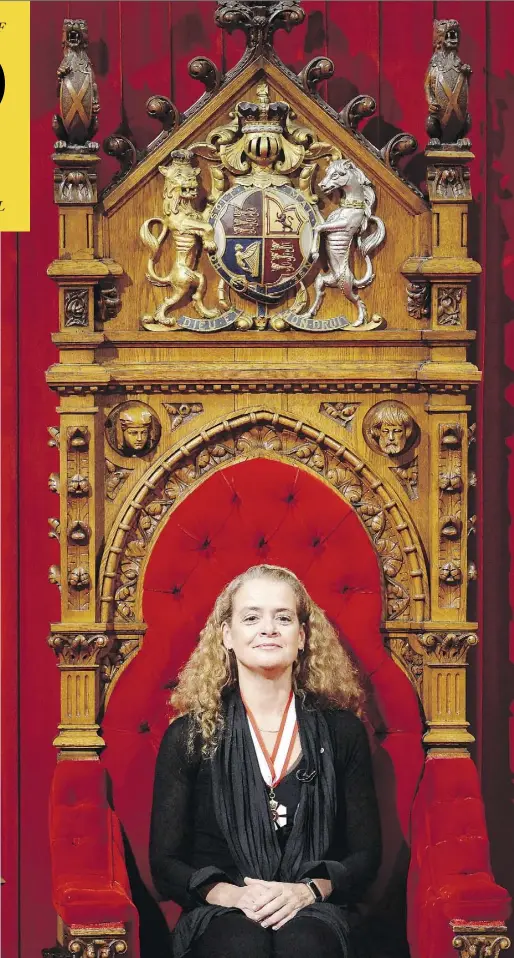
x: 439, y: 283
x: 448, y: 271
x: 449, y: 191
x: 87, y: 298
x: 444, y: 687
x: 78, y: 655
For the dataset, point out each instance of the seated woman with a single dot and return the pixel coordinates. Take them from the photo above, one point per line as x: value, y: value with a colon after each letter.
x: 264, y: 823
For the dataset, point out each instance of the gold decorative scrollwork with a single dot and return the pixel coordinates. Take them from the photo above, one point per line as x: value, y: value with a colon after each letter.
x: 449, y: 300
x: 114, y: 479
x: 418, y: 300
x: 448, y: 646
x: 54, y: 436
x: 180, y: 413
x: 96, y: 941
x: 407, y: 476
x: 480, y: 941
x: 97, y: 947
x: 75, y: 648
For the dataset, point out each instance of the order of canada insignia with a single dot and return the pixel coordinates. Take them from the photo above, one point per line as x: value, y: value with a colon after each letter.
x: 261, y: 226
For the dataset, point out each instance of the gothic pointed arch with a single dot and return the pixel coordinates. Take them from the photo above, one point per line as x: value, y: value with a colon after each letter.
x: 263, y: 433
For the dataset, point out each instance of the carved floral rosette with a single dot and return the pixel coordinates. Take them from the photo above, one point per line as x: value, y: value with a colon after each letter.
x: 264, y: 434
x: 78, y: 518
x: 450, y: 515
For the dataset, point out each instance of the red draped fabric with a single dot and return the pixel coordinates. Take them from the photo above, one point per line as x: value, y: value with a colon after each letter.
x: 139, y: 48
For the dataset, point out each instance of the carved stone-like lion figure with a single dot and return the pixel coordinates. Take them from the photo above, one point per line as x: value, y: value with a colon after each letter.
x: 447, y: 88
x: 78, y: 95
x: 189, y: 228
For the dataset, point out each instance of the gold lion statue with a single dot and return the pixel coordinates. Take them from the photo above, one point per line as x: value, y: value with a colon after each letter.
x: 190, y: 230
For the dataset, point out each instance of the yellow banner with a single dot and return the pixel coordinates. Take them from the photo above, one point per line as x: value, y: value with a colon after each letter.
x: 14, y: 115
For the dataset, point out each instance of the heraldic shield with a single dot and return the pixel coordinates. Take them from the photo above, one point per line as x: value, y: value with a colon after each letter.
x: 264, y: 239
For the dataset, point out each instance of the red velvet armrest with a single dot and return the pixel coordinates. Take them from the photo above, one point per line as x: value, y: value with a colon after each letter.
x: 89, y: 880
x: 450, y: 878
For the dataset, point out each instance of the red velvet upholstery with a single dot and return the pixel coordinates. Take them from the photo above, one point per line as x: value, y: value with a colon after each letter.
x: 450, y: 874
x: 90, y: 883
x: 266, y: 511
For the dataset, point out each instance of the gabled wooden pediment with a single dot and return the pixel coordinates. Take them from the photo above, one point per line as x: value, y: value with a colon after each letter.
x: 402, y: 212
x: 311, y: 110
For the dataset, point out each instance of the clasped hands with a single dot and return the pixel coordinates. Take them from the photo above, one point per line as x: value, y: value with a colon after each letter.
x: 270, y: 903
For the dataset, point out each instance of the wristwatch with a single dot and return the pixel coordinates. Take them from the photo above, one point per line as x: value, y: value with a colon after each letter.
x: 314, y: 889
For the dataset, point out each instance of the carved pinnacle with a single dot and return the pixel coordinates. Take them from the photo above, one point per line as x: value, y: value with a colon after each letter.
x: 258, y: 20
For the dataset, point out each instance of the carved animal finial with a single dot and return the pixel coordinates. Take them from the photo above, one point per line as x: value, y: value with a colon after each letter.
x: 78, y: 94
x: 447, y: 89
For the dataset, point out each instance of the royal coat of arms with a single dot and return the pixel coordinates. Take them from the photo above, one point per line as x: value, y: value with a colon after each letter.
x: 261, y: 226
x: 263, y: 239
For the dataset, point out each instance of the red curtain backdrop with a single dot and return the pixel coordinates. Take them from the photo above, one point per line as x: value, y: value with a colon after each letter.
x: 138, y: 49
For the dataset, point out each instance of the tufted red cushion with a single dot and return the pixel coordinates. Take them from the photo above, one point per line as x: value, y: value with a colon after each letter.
x: 450, y: 876
x: 258, y: 511
x: 88, y: 869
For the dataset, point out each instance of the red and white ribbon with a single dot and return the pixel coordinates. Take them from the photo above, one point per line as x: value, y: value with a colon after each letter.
x: 273, y: 767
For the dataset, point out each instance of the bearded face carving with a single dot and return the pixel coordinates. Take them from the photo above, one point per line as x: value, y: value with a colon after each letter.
x: 133, y: 429
x: 390, y: 429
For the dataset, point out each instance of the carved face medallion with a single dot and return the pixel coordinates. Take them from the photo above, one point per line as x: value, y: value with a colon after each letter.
x: 133, y: 429
x: 263, y: 240
x: 389, y: 428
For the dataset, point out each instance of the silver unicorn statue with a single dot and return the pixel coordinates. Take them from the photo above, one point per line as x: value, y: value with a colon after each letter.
x: 352, y: 218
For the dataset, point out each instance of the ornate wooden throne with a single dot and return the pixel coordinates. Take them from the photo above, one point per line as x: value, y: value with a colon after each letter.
x: 263, y: 357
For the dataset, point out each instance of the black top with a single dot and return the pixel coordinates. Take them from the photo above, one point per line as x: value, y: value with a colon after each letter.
x: 185, y: 836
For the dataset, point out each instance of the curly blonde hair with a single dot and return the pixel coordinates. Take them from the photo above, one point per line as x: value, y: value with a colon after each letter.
x: 323, y: 668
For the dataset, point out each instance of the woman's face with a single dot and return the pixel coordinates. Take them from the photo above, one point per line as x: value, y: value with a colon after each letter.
x: 264, y: 632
